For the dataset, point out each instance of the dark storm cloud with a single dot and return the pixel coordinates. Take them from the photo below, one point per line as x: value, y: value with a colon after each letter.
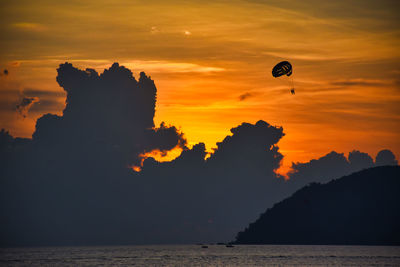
x: 114, y: 108
x: 84, y: 192
x: 218, y: 195
x: 251, y: 145
x: 70, y: 184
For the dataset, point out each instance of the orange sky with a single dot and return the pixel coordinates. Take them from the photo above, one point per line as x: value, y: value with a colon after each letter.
x: 204, y: 56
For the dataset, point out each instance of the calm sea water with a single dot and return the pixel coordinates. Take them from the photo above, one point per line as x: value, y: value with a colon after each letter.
x: 194, y: 255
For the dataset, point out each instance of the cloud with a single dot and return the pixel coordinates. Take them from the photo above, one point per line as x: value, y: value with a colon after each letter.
x: 251, y: 141
x: 332, y: 165
x: 306, y: 56
x: 230, y: 187
x: 171, y: 67
x: 359, y: 82
x: 335, y: 165
x: 244, y: 96
x: 42, y: 93
x: 385, y: 157
x: 35, y: 100
x: 116, y: 108
x: 29, y: 26
x: 39, y: 101
x: 359, y: 160
x: 25, y: 104
x: 46, y: 105
x: 153, y: 66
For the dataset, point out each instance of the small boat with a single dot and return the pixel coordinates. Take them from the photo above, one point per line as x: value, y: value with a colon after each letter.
x: 229, y: 246
x: 204, y: 246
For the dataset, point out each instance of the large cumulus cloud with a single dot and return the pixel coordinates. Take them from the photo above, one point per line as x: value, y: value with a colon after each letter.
x: 210, y: 199
x: 111, y: 110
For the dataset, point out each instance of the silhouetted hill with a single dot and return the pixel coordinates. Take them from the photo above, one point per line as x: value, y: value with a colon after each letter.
x: 362, y: 208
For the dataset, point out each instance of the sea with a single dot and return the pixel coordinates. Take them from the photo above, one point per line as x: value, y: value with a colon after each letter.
x: 196, y: 255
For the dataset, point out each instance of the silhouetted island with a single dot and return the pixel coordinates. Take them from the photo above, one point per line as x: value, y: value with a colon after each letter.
x: 360, y: 209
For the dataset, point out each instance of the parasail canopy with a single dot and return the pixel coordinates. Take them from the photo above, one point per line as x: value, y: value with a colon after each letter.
x: 282, y: 68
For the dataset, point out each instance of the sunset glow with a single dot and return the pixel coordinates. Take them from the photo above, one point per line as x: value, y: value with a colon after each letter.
x: 212, y: 66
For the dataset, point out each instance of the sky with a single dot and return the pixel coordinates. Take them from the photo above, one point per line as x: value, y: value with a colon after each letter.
x: 211, y: 62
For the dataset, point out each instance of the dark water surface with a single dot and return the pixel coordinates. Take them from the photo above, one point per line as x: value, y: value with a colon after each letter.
x: 194, y: 255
